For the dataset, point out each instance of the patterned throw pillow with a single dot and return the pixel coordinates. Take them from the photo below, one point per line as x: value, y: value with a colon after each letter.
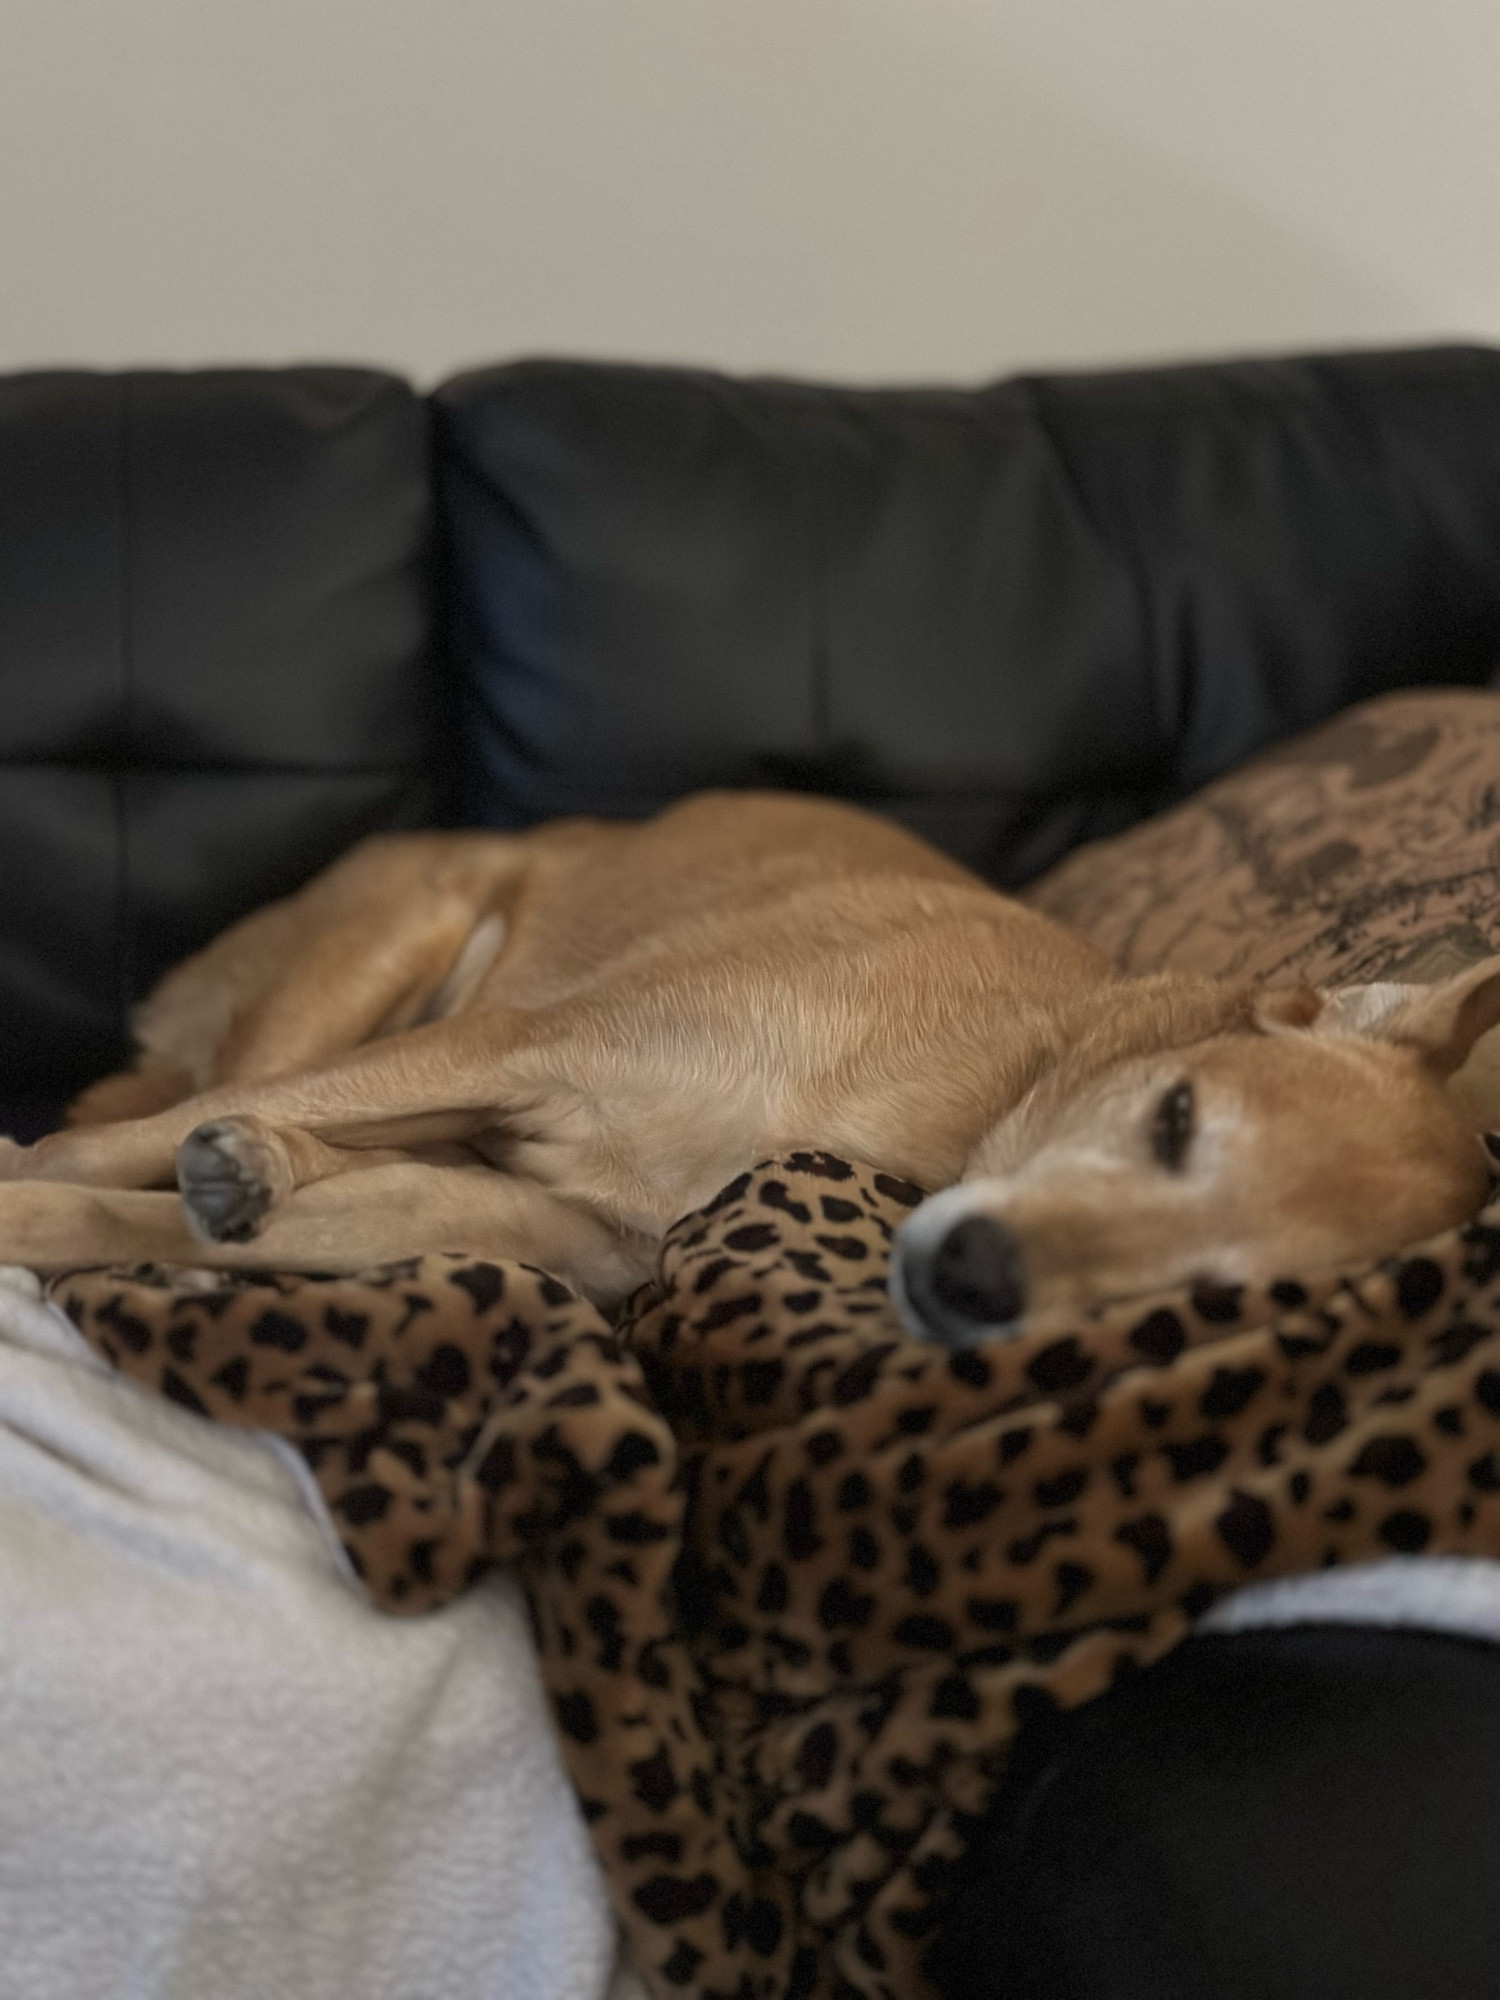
x: 1366, y: 850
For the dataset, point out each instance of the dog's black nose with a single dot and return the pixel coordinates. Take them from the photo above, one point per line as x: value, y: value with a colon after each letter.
x: 976, y: 1272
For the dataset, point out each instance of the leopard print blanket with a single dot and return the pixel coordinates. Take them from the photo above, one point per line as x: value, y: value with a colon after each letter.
x: 798, y: 1579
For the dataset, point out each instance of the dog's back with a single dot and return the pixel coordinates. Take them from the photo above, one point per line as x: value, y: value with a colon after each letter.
x: 732, y: 930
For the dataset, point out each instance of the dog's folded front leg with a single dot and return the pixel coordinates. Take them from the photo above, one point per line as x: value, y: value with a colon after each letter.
x: 336, y: 1227
x: 409, y: 1089
x: 232, y: 1172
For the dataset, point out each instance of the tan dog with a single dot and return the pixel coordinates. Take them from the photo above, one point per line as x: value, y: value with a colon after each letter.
x: 550, y: 1045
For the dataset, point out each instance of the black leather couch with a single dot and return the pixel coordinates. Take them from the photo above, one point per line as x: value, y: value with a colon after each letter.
x: 246, y: 616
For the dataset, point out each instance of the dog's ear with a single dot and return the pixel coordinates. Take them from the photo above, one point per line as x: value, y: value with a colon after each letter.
x: 1287, y: 1007
x: 1442, y: 1023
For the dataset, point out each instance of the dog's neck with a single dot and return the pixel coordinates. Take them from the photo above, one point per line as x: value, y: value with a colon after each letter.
x: 923, y: 1115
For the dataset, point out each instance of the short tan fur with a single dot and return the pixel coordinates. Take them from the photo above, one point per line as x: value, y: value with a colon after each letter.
x: 549, y: 1045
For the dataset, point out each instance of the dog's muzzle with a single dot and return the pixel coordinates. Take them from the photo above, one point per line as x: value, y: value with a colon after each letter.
x: 956, y: 1272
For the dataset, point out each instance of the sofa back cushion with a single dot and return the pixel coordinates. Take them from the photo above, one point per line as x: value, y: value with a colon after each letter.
x: 214, y: 672
x: 1014, y: 617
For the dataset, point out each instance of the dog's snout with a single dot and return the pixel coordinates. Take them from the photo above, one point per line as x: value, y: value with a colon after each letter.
x: 956, y: 1272
x: 976, y: 1272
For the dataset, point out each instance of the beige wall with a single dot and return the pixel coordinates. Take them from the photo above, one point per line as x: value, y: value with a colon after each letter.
x: 872, y: 188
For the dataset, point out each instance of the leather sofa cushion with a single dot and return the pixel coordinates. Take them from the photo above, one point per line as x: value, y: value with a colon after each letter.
x: 28, y: 1118
x: 214, y: 653
x: 1014, y: 618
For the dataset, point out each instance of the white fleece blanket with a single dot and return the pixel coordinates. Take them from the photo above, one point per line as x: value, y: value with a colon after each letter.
x: 223, y: 1776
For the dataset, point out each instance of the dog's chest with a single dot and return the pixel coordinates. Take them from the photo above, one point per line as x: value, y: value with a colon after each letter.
x: 652, y: 1145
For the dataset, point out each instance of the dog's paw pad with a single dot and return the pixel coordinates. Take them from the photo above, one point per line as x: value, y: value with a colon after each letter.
x: 226, y: 1176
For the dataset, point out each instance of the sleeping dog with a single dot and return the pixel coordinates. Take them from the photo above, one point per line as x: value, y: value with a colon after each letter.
x: 549, y: 1045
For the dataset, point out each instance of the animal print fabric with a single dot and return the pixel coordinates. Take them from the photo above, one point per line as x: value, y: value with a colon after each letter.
x: 798, y: 1579
x: 1365, y: 850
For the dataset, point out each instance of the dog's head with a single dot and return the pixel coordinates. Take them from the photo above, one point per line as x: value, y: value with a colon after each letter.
x: 1309, y: 1130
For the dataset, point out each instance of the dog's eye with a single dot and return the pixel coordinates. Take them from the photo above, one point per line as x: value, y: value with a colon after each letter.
x: 1172, y: 1125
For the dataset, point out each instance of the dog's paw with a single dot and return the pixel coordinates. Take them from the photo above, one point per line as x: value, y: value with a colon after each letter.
x: 230, y: 1172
